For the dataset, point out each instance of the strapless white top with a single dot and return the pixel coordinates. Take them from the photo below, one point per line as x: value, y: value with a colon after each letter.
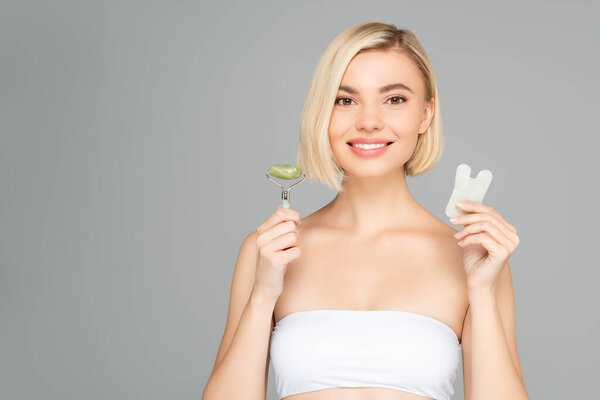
x: 321, y: 349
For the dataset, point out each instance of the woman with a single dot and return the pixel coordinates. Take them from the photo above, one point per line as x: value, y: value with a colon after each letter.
x: 380, y: 299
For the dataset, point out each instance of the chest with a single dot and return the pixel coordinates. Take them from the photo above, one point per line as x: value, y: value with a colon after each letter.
x: 416, y: 272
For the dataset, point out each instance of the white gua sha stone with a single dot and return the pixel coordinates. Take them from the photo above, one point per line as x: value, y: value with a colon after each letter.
x: 467, y: 188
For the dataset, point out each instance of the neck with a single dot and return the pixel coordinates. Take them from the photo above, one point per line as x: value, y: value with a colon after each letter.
x: 369, y: 205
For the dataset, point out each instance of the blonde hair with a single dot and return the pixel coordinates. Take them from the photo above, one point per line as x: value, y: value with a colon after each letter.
x: 314, y: 152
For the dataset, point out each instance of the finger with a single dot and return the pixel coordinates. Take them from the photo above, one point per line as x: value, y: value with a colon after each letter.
x: 283, y: 242
x: 500, y: 235
x: 276, y: 231
x: 472, y: 218
x: 474, y: 207
x: 494, y: 248
x: 281, y: 214
x: 289, y: 255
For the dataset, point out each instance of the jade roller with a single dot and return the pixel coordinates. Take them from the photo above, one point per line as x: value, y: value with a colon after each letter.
x: 285, y: 171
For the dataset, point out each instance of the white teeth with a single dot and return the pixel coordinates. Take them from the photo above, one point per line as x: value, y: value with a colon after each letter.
x: 368, y: 146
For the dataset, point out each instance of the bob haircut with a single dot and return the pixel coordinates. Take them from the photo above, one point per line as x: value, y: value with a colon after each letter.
x: 314, y: 152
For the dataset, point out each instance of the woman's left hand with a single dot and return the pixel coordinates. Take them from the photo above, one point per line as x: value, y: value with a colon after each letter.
x: 488, y: 240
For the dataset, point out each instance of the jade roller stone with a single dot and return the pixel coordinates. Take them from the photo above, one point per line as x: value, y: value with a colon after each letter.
x: 285, y: 171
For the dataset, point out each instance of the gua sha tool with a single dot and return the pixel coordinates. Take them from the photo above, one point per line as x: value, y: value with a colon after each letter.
x: 467, y: 188
x: 285, y: 171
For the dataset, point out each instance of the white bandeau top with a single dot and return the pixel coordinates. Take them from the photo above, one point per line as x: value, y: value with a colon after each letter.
x: 321, y: 349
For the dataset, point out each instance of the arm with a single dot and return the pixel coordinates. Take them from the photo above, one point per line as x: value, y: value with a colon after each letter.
x: 241, y: 366
x: 490, y: 358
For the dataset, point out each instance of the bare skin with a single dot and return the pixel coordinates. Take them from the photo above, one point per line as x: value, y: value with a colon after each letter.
x: 374, y: 247
x: 417, y: 269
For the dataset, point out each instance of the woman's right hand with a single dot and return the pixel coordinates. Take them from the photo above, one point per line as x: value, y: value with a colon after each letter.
x: 276, y: 245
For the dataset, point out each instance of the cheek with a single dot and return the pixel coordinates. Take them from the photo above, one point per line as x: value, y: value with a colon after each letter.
x: 403, y: 124
x: 339, y: 124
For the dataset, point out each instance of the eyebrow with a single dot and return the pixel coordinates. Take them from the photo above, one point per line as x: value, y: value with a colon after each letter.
x: 382, y: 90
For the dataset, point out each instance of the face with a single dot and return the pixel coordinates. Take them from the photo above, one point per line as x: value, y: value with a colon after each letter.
x: 361, y: 110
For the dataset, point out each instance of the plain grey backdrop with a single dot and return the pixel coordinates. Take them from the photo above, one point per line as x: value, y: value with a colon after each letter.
x: 135, y: 136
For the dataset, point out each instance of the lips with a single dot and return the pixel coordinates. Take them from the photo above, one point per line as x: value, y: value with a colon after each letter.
x: 369, y: 141
x: 351, y: 144
x: 369, y: 152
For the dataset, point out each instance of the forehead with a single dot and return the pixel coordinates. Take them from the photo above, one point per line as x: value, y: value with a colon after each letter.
x: 372, y: 69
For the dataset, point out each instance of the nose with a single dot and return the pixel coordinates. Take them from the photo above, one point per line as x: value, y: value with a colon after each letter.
x: 368, y: 118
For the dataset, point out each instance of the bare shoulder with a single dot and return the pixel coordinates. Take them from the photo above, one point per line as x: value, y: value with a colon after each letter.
x: 249, y: 242
x: 441, y: 235
x: 245, y: 264
x: 448, y: 255
x: 438, y: 224
x: 314, y: 227
x: 446, y: 258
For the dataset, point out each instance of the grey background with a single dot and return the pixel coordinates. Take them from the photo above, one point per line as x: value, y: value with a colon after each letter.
x: 135, y: 137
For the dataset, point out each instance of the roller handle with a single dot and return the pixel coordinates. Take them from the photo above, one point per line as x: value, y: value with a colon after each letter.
x: 285, y: 194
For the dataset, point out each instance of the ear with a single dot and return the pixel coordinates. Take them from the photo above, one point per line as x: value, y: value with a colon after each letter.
x: 427, y: 116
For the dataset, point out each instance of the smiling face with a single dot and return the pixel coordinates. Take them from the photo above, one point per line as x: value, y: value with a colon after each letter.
x: 371, y: 105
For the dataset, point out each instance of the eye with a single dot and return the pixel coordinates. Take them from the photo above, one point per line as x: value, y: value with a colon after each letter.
x: 398, y: 97
x: 345, y: 99
x: 342, y: 98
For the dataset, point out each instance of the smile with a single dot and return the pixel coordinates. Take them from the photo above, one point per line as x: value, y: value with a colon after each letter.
x: 369, y: 146
x: 369, y: 150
